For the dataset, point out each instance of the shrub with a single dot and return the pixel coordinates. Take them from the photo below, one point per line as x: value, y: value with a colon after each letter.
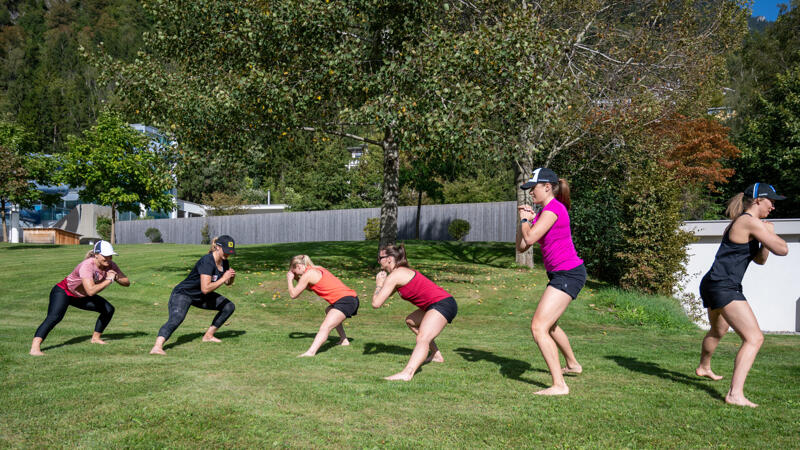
x: 205, y: 235
x: 153, y: 234
x: 372, y: 232
x: 104, y: 227
x: 458, y: 229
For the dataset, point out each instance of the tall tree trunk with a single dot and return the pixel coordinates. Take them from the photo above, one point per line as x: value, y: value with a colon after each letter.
x: 391, y: 188
x: 113, y: 223
x: 521, y: 171
x: 419, y: 210
x: 3, y: 238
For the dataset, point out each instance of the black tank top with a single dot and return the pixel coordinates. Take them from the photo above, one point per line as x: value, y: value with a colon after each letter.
x: 732, y: 260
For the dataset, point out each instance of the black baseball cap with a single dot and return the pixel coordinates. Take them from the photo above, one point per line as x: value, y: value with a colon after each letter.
x: 762, y: 190
x: 227, y: 244
x: 541, y: 175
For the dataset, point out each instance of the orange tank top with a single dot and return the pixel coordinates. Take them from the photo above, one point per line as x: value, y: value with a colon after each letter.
x: 330, y: 288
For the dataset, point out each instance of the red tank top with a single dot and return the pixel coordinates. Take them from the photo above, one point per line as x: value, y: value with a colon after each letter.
x: 330, y: 288
x: 422, y: 292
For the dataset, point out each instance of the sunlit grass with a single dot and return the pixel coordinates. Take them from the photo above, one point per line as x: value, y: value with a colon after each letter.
x: 637, y: 390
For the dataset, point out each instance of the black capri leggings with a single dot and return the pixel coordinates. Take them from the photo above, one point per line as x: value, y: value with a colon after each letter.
x: 179, y: 304
x: 59, y: 301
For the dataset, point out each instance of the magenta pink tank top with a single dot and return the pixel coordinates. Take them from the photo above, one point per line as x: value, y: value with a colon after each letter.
x: 422, y: 292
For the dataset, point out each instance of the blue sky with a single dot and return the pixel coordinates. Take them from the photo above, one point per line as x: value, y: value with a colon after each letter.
x: 768, y: 8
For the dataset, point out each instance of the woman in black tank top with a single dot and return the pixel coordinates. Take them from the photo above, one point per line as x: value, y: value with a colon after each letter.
x: 747, y: 238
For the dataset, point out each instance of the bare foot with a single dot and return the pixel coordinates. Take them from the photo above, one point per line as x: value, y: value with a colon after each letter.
x: 399, y: 377
x: 344, y: 342
x: 707, y: 373
x: 210, y: 339
x: 305, y: 355
x: 36, y: 352
x: 574, y: 369
x: 157, y: 351
x: 97, y: 341
x: 554, y: 390
x: 739, y: 401
x: 436, y: 357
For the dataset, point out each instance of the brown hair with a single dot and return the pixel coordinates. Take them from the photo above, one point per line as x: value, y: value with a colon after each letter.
x: 737, y: 205
x: 300, y: 259
x: 398, y: 252
x: 561, y: 192
x: 90, y: 254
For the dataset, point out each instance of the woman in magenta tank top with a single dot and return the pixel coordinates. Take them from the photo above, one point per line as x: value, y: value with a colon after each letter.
x: 567, y: 274
x: 343, y: 300
x: 436, y: 307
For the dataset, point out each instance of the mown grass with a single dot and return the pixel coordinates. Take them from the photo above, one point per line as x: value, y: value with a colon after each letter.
x: 638, y: 388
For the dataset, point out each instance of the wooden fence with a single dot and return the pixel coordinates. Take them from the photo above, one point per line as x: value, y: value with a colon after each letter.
x: 488, y: 221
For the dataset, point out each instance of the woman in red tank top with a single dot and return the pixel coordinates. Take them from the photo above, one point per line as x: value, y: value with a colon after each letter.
x: 436, y: 308
x: 343, y: 300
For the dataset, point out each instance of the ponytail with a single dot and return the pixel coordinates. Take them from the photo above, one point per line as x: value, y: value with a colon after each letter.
x: 90, y: 254
x: 737, y: 205
x: 561, y: 192
x: 213, y: 244
x: 398, y: 252
x: 300, y: 259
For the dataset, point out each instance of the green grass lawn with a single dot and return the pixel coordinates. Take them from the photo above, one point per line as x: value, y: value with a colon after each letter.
x: 638, y: 388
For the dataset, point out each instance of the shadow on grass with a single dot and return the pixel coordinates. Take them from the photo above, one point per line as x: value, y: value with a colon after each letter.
x: 330, y: 342
x: 27, y: 246
x: 509, y: 368
x: 106, y: 337
x: 649, y: 368
x: 186, y: 338
x: 373, y: 348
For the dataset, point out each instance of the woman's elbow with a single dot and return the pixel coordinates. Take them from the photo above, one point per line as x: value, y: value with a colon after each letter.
x: 376, y: 305
x: 784, y: 250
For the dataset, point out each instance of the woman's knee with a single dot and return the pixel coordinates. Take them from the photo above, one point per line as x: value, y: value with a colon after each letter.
x: 540, y: 330
x: 109, y: 309
x: 229, y: 308
x: 755, y: 338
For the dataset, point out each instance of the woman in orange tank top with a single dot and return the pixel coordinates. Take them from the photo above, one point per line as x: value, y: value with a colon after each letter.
x: 343, y: 300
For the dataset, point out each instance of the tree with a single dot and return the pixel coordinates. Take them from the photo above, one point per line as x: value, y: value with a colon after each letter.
x: 23, y: 168
x: 117, y: 166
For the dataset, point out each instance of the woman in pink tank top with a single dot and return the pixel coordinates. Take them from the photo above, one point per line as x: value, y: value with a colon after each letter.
x: 436, y: 307
x: 567, y: 274
x: 343, y: 300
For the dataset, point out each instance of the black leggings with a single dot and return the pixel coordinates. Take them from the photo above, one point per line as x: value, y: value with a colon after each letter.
x: 179, y: 305
x: 59, y: 301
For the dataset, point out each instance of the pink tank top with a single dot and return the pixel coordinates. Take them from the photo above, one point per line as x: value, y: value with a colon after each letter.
x: 422, y: 292
x: 558, y: 251
x: 330, y: 288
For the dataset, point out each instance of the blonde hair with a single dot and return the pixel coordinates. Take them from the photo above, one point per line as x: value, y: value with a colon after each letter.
x: 300, y: 259
x: 90, y: 254
x: 737, y: 205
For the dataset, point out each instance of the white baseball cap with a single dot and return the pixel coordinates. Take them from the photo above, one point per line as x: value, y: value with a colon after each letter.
x: 104, y: 248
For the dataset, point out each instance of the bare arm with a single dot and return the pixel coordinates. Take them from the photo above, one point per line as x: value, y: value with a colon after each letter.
x: 309, y: 278
x: 770, y: 242
x: 93, y: 288
x: 532, y: 234
x: 384, y: 288
x: 207, y: 286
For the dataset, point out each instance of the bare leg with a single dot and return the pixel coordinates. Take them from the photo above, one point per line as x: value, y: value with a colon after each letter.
x: 333, y: 319
x: 562, y: 342
x: 96, y: 338
x: 743, y: 321
x: 552, y: 305
x: 432, y: 324
x: 719, y: 326
x: 209, y: 336
x: 413, y: 322
x: 158, y: 348
x: 340, y: 330
x: 36, y: 347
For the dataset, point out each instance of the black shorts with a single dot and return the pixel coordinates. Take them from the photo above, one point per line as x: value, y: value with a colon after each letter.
x: 718, y: 295
x: 447, y: 307
x: 570, y: 281
x: 347, y: 305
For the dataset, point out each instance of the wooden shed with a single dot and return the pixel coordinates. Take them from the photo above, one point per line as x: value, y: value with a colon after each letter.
x: 49, y: 236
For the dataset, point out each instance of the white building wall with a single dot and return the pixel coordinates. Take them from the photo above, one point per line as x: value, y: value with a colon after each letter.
x: 773, y: 290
